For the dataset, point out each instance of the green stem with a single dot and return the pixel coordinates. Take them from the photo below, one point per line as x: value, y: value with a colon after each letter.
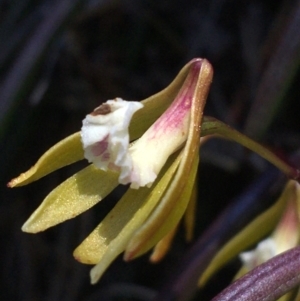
x: 212, y: 126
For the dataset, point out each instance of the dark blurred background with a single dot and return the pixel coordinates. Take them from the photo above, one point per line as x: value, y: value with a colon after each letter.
x: 60, y: 59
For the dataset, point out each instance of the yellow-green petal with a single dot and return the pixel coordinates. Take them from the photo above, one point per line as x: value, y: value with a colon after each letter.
x: 65, y: 152
x: 74, y: 196
x: 142, y: 242
x: 191, y: 149
x: 189, y: 215
x: 256, y: 230
x: 156, y: 105
x: 110, y: 237
x: 163, y: 246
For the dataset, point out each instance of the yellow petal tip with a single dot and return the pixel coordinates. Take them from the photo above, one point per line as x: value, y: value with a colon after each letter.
x: 65, y: 152
x: 94, y: 275
x: 18, y: 180
x: 12, y: 183
x: 24, y: 229
x: 133, y: 250
x: 128, y: 256
x: 85, y: 255
x: 31, y: 228
x: 154, y: 258
x: 78, y: 258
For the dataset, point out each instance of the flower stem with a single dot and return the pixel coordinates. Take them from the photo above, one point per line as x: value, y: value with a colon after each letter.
x: 268, y: 281
x: 212, y: 126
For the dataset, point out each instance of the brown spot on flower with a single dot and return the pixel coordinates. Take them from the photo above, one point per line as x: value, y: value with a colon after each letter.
x: 104, y: 109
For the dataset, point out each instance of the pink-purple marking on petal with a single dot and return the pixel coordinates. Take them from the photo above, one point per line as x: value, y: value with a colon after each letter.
x: 100, y: 147
x: 174, y: 117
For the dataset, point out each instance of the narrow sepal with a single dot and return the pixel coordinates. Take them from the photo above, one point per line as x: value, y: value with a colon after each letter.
x: 65, y: 152
x: 74, y: 196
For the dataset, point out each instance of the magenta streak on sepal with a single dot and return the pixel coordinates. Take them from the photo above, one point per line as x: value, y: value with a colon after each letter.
x: 179, y: 112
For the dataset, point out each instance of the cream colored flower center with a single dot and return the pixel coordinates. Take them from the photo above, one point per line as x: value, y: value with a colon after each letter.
x: 105, y: 137
x: 264, y: 251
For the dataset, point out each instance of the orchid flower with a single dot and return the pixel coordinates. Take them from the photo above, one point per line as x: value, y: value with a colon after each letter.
x: 271, y: 270
x: 153, y: 145
x: 282, y: 218
x: 285, y: 236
